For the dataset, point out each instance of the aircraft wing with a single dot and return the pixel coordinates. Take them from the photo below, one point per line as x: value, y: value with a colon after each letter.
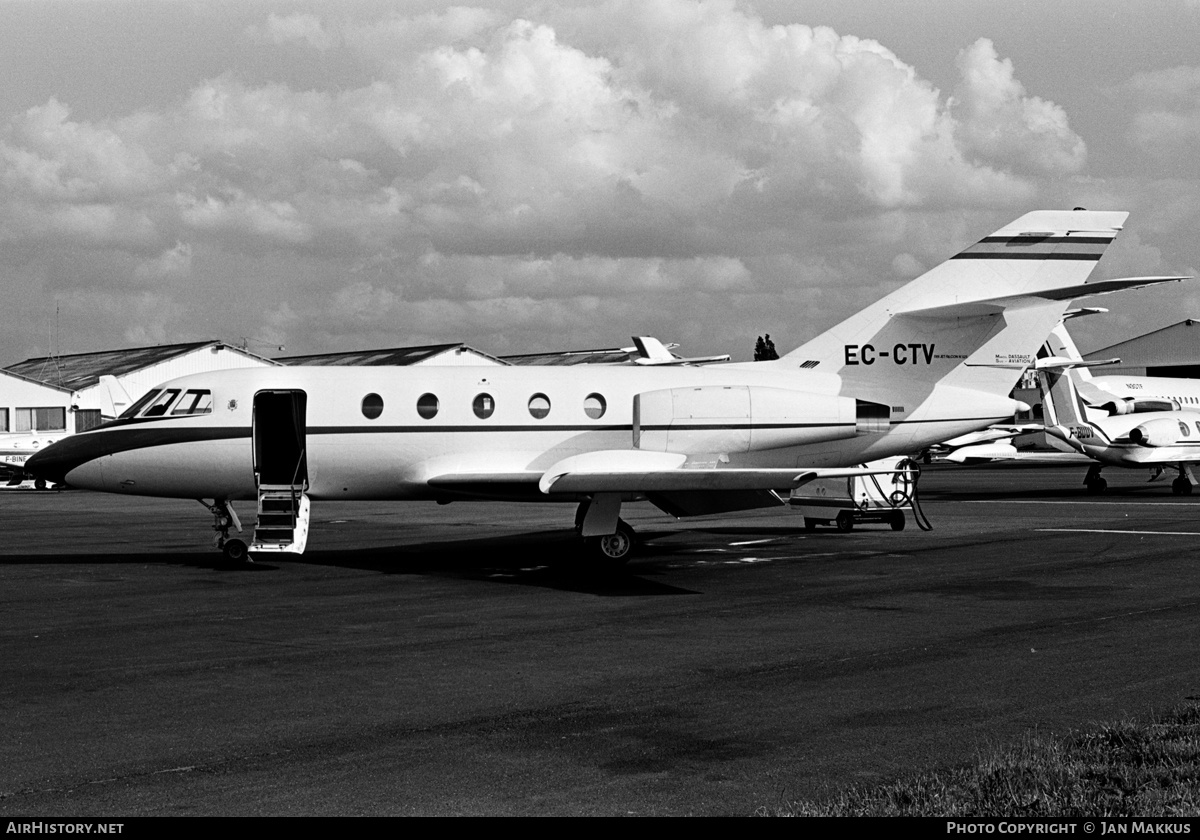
x: 638, y: 471
x: 1151, y: 456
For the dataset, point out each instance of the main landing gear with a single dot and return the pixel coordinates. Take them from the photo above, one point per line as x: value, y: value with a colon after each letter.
x: 1182, y: 486
x: 224, y: 517
x: 608, y: 539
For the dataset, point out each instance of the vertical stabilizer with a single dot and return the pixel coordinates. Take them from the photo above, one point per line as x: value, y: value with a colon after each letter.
x: 976, y: 320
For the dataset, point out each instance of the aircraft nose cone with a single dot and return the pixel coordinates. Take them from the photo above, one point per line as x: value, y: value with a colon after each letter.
x: 47, y: 465
x: 55, y: 461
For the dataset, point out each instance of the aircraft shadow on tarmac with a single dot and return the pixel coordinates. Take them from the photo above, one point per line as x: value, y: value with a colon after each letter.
x: 984, y: 493
x: 549, y: 559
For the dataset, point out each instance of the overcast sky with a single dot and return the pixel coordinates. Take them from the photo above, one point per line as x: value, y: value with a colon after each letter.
x: 528, y: 176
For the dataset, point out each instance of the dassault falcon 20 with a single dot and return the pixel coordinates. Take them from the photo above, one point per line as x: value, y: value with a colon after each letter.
x: 936, y: 358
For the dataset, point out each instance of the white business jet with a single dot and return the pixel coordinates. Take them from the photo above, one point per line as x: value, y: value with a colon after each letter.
x: 16, y: 449
x: 1121, y: 421
x: 934, y: 359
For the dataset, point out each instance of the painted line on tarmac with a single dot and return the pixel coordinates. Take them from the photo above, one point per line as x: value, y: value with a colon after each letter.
x: 1113, y: 531
x: 1087, y: 502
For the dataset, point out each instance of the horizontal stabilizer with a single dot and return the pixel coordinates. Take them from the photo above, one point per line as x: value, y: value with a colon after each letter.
x: 1064, y: 363
x: 992, y: 306
x: 1084, y: 311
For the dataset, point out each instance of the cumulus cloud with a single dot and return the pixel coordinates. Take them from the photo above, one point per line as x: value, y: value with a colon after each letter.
x: 533, y: 164
x: 1001, y: 125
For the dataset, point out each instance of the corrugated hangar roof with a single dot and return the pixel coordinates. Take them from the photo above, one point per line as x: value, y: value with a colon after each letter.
x: 574, y: 357
x: 82, y: 370
x: 395, y: 356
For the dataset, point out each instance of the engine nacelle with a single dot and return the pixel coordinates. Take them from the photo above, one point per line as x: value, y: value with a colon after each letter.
x: 1136, y: 406
x: 737, y: 418
x: 1160, y: 432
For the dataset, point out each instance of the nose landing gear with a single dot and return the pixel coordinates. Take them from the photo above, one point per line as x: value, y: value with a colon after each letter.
x: 224, y: 518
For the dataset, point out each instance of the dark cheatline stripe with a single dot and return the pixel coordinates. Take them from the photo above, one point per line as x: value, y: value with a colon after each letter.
x: 995, y: 256
x: 432, y: 429
x: 54, y: 462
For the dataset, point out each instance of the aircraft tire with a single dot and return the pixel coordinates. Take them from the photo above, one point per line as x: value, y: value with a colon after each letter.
x: 1097, y: 486
x: 845, y: 521
x: 898, y: 521
x: 39, y: 484
x: 810, y: 524
x: 1181, y: 487
x: 612, y: 551
x: 236, y: 551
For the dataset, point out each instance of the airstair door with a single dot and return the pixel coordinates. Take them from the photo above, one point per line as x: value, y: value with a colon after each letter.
x: 281, y: 472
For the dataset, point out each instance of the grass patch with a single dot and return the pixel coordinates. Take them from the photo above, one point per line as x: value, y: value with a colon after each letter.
x: 1123, y: 769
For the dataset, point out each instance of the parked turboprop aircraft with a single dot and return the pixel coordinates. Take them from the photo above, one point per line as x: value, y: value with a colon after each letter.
x: 15, y: 450
x: 934, y: 359
x: 1120, y: 421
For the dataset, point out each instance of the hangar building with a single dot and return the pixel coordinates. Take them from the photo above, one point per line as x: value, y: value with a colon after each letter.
x: 1170, y: 351
x: 429, y: 354
x: 77, y: 392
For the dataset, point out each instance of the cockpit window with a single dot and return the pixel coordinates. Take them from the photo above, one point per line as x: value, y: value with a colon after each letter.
x: 161, y: 403
x: 136, y: 408
x: 193, y: 402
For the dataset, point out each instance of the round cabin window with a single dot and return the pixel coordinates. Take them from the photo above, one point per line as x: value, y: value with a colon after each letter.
x: 483, y: 406
x: 372, y: 406
x: 539, y: 406
x: 427, y: 406
x: 594, y: 406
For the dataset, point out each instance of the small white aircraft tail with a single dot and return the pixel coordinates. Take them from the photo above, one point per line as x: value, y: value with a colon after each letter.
x: 1068, y: 389
x: 975, y: 321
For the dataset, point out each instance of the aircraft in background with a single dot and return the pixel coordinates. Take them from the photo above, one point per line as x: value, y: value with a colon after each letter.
x: 991, y: 444
x: 934, y: 359
x: 1120, y: 421
x: 17, y: 447
x: 15, y: 450
x: 996, y: 443
x: 646, y: 350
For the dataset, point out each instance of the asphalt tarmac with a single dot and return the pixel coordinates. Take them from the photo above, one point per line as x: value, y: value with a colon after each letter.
x: 435, y: 660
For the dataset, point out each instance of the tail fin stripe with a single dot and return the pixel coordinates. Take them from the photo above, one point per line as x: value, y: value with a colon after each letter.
x: 992, y: 255
x: 1048, y: 240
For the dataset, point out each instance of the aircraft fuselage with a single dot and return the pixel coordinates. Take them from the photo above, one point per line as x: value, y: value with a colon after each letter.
x: 388, y: 433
